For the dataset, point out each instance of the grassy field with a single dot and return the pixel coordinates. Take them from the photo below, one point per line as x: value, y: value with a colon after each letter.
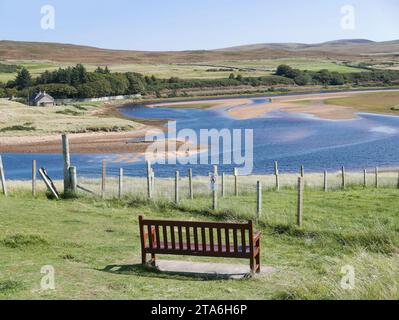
x: 94, y: 247
x: 271, y: 65
x: 200, y: 70
x: 17, y: 119
x: 36, y: 68
x: 381, y: 102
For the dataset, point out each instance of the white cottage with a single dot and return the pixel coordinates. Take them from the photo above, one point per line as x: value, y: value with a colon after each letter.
x: 42, y: 99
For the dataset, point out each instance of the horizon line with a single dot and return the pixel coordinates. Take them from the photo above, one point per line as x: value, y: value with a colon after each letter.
x: 185, y: 50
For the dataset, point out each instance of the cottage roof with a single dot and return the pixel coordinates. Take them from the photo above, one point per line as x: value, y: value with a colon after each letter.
x: 39, y: 96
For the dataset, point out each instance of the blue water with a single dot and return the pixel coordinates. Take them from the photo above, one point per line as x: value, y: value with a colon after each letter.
x: 292, y: 139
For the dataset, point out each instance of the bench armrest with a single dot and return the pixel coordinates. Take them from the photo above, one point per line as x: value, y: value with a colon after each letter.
x: 257, y: 236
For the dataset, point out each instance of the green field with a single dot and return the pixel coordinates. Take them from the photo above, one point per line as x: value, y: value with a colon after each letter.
x: 380, y: 102
x: 36, y: 68
x: 270, y: 65
x: 95, y: 250
x: 250, y: 68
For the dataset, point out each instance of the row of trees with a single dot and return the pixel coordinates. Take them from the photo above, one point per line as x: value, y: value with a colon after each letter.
x: 77, y: 82
x: 326, y: 77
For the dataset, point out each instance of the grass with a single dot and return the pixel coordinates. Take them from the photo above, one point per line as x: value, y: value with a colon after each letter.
x: 200, y: 70
x: 381, y: 102
x: 36, y: 68
x: 95, y: 250
x: 54, y: 120
x: 18, y: 128
x: 271, y: 65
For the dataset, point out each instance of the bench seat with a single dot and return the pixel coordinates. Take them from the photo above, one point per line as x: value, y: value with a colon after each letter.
x: 200, y: 250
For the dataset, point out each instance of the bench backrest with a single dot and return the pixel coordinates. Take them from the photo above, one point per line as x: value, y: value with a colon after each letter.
x: 193, y: 236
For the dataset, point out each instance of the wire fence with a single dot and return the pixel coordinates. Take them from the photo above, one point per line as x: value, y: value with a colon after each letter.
x: 276, y: 198
x: 124, y: 182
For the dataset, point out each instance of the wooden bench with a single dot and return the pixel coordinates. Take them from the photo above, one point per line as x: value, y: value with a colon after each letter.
x: 209, y: 239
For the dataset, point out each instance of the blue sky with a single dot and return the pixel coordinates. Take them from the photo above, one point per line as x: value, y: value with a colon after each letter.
x: 194, y: 24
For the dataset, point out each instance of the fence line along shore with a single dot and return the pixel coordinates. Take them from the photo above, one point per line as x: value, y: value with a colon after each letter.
x: 111, y: 183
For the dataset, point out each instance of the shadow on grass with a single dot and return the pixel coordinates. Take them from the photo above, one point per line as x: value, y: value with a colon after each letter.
x: 153, y: 272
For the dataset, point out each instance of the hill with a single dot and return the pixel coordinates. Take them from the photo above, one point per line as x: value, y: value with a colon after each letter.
x: 58, y: 52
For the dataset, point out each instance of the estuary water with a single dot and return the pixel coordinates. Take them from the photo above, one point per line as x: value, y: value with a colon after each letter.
x: 292, y: 139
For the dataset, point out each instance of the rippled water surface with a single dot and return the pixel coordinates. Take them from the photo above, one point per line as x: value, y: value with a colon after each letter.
x: 292, y: 139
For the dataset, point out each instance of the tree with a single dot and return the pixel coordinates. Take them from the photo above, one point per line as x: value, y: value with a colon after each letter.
x: 99, y: 70
x: 57, y: 90
x: 239, y: 78
x: 337, y: 79
x: 136, y: 83
x: 23, y: 79
x: 283, y: 70
x: 303, y: 79
x: 232, y: 76
x: 11, y: 92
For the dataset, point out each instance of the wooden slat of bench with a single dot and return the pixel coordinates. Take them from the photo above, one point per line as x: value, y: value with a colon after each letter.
x: 235, y: 240
x: 180, y: 232
x: 200, y: 248
x: 211, y: 242
x: 196, y: 238
x: 219, y: 235
x: 165, y: 237
x: 188, y: 238
x: 227, y: 237
x: 243, y: 241
x: 203, y: 236
x: 201, y: 252
x: 172, y: 237
x: 157, y: 236
x: 150, y: 239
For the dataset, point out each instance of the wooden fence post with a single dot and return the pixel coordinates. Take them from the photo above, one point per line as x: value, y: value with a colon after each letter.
x: 276, y: 173
x: 235, y: 182
x: 343, y: 178
x: 398, y: 180
x: 223, y: 191
x: 67, y: 162
x: 103, y: 178
x: 2, y: 177
x: 259, y: 199
x: 365, y: 178
x: 300, y: 202
x: 34, y: 175
x: 73, y: 187
x: 215, y: 189
x: 325, y: 181
x: 190, y: 183
x: 376, y: 178
x: 120, y: 189
x: 48, y: 183
x: 149, y: 173
x: 177, y: 177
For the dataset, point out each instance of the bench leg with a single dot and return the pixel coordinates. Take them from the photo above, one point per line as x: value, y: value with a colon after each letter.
x: 257, y: 260
x: 252, y: 265
x: 153, y: 260
x: 143, y: 258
